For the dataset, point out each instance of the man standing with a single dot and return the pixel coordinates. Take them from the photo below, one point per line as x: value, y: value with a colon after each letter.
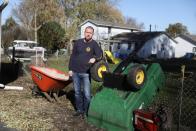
x: 85, y: 52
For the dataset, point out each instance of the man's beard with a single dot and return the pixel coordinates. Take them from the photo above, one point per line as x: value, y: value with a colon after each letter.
x: 87, y: 40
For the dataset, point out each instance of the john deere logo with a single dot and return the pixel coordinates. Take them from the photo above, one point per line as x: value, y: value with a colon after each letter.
x: 88, y: 49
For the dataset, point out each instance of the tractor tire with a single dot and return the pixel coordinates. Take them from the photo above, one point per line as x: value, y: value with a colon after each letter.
x: 97, y: 69
x: 136, y: 77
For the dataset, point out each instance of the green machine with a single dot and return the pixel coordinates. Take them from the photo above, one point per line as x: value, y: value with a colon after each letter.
x: 130, y: 86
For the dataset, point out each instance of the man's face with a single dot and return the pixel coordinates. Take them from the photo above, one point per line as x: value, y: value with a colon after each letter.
x: 88, y: 34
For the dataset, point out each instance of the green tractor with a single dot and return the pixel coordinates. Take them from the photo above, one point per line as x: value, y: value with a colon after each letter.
x: 129, y: 87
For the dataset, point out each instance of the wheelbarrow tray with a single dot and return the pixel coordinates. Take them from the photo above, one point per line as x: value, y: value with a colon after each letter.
x: 49, y: 79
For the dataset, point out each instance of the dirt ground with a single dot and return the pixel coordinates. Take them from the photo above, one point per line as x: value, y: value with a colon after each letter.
x: 21, y: 110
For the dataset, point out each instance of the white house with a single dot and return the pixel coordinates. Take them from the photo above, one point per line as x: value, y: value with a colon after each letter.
x: 146, y: 44
x: 185, y: 44
x: 104, y: 30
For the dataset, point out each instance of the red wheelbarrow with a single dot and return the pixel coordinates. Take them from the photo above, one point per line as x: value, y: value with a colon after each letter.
x: 49, y: 81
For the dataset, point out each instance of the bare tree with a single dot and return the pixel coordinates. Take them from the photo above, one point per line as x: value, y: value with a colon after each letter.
x: 12, y: 31
x: 32, y: 14
x: 133, y: 23
x: 177, y: 29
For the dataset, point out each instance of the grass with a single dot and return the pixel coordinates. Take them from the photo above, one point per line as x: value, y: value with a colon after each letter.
x: 61, y: 63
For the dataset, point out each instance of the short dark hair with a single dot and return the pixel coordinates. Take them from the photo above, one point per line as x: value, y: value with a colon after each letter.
x: 89, y: 27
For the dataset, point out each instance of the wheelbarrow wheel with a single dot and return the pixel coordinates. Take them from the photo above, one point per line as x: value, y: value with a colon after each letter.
x: 136, y: 77
x: 97, y: 69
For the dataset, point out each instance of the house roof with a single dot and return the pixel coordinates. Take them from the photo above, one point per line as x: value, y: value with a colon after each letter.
x: 138, y: 36
x: 193, y: 37
x: 189, y: 38
x: 109, y: 24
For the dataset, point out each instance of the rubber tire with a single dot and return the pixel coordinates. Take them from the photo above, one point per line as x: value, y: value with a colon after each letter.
x: 131, y: 77
x: 94, y: 70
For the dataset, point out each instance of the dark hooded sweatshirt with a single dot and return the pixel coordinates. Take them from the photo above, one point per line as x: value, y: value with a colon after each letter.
x: 82, y: 53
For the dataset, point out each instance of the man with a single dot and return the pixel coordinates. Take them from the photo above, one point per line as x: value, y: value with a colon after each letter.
x: 85, y: 52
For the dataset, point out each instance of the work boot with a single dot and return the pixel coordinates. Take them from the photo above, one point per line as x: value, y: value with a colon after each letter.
x: 78, y: 114
x: 84, y: 116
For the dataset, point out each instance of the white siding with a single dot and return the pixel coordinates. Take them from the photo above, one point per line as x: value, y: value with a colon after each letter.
x: 161, y: 46
x: 183, y: 47
x: 102, y: 32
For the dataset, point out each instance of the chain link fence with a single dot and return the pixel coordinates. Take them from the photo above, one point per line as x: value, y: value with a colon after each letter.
x: 178, y: 98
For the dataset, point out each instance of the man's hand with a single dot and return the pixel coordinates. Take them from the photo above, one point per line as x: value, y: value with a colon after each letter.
x: 92, y: 60
x: 70, y: 73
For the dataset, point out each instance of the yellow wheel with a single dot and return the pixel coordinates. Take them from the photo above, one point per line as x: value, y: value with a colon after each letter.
x: 97, y: 70
x: 139, y: 77
x: 136, y: 77
x: 101, y: 69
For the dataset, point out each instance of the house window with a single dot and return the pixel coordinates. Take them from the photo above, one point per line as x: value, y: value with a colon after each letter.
x: 129, y: 46
x: 194, y: 49
x: 118, y: 47
x: 109, y: 30
x: 154, y: 47
x: 162, y: 47
x: 106, y: 47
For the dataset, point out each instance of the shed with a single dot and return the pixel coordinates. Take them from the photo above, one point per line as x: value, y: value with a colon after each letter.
x: 145, y: 44
x: 185, y: 44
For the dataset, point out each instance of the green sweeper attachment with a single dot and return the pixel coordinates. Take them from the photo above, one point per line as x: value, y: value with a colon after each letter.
x: 129, y: 87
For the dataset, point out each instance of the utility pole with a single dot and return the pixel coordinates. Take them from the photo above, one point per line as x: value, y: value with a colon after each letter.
x: 2, y: 6
x: 150, y: 27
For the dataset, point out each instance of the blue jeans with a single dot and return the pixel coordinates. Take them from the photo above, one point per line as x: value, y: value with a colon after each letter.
x: 81, y: 82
